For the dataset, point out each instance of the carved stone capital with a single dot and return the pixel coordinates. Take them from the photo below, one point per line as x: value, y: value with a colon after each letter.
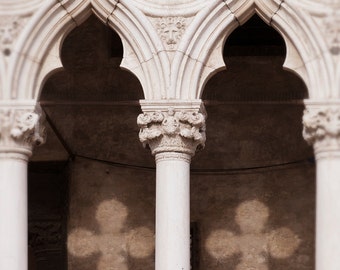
x: 172, y: 131
x: 20, y: 130
x: 321, y: 127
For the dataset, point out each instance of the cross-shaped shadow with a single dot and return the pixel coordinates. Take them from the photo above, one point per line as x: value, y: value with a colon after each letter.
x: 112, y: 243
x: 254, y: 245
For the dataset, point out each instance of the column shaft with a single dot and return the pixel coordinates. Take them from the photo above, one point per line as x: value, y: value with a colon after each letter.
x: 13, y: 213
x: 321, y: 122
x: 173, y: 211
x: 328, y: 214
x: 173, y: 130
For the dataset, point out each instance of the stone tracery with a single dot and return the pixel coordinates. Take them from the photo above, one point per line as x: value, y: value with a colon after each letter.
x: 173, y: 131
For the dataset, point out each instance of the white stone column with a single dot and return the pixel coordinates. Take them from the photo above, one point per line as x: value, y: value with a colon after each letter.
x: 19, y: 131
x: 322, y: 129
x: 173, y: 131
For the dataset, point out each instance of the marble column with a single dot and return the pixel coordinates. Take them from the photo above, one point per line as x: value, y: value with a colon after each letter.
x: 173, y: 131
x: 322, y: 129
x: 20, y: 130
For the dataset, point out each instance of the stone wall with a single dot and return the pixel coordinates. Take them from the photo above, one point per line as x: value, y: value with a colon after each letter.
x: 47, y: 214
x: 257, y: 219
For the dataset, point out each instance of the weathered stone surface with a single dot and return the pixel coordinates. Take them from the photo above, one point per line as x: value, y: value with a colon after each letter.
x: 47, y: 214
x: 286, y: 196
x: 114, y: 206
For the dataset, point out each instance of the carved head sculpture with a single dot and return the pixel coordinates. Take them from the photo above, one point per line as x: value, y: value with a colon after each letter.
x: 170, y: 30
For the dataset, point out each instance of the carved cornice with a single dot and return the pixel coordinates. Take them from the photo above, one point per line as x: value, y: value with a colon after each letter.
x: 20, y: 130
x: 172, y: 131
x: 321, y: 128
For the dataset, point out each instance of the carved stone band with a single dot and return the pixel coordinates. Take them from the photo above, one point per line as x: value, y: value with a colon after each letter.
x: 20, y: 130
x: 321, y: 127
x: 172, y: 131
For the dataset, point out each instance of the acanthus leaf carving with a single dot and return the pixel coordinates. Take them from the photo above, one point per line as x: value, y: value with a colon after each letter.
x: 21, y: 128
x: 172, y: 131
x: 321, y: 128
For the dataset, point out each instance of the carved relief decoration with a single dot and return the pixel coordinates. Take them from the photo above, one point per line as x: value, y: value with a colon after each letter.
x: 20, y: 128
x: 170, y: 30
x: 321, y: 127
x: 172, y: 131
x: 10, y: 27
x: 332, y: 32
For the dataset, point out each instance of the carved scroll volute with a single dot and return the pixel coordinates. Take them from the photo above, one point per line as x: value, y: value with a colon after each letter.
x: 321, y: 128
x: 20, y: 130
x: 172, y: 131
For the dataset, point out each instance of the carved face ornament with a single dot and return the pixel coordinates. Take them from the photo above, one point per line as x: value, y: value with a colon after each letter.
x: 171, y: 30
x: 333, y: 34
x: 8, y: 31
x: 170, y: 33
x: 171, y: 125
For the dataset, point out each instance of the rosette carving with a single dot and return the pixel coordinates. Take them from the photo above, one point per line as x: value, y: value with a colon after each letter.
x: 321, y: 127
x: 172, y: 131
x: 20, y: 128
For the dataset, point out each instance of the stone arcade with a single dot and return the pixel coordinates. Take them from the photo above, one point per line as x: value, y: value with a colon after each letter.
x: 248, y: 217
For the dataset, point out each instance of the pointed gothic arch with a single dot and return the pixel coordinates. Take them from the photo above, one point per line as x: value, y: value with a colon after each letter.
x: 202, y: 57
x: 37, y: 52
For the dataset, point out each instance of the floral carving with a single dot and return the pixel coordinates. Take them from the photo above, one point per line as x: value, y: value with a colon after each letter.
x: 172, y: 131
x: 322, y: 127
x: 20, y: 128
x: 171, y: 30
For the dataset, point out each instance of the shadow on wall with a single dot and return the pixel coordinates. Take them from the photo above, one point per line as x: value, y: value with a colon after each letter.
x: 254, y: 244
x: 113, y: 244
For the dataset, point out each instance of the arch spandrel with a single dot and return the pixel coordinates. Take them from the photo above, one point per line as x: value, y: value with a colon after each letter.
x: 14, y: 16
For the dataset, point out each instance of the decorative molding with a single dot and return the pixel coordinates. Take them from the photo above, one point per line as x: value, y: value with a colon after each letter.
x: 19, y: 6
x: 166, y: 156
x: 10, y: 28
x: 172, y: 131
x: 20, y: 130
x: 321, y: 128
x: 170, y: 7
x: 170, y: 30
